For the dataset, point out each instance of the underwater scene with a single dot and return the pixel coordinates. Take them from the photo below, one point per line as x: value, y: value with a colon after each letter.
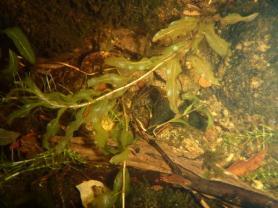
x: 139, y: 103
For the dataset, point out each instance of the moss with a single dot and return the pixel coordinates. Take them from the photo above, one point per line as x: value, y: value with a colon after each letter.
x: 142, y: 195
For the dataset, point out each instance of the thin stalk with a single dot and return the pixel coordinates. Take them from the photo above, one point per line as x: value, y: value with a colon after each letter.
x: 124, y: 182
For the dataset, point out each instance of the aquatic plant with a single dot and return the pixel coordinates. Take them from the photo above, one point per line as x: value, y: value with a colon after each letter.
x: 93, y: 107
x: 186, y: 36
x: 23, y: 47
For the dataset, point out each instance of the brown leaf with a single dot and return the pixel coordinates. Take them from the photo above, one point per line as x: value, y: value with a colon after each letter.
x: 241, y: 168
x: 30, y: 145
x: 204, y: 82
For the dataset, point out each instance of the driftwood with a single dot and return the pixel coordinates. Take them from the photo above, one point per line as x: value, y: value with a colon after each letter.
x: 145, y: 157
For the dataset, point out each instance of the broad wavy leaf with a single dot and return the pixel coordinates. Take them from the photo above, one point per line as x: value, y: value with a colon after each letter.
x: 218, y: 44
x: 173, y: 69
x: 177, y: 28
x: 234, y: 18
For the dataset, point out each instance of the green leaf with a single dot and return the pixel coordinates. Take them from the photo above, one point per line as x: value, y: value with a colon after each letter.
x: 218, y: 44
x: 52, y: 128
x: 114, y: 79
x: 179, y: 121
x: 118, y: 181
x: 13, y: 64
x: 173, y: 69
x: 23, y: 111
x: 56, y: 100
x: 71, y: 128
x: 7, y: 137
x: 21, y: 42
x: 235, y: 18
x: 197, y: 40
x: 74, y: 125
x: 83, y: 95
x: 99, y: 110
x: 168, y: 51
x: 120, y: 157
x: 209, y: 117
x: 148, y: 63
x: 101, y: 136
x: 123, y: 63
x: 105, y: 200
x: 190, y: 97
x: 96, y: 113
x: 126, y: 138
x: 202, y: 68
x: 177, y: 28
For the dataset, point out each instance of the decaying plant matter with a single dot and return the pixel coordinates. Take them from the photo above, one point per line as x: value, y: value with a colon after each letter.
x: 99, y: 106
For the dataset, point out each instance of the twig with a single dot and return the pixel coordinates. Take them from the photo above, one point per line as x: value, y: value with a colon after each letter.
x: 229, y: 193
x: 76, y: 68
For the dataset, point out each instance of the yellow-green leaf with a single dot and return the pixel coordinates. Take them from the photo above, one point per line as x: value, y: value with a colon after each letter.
x: 174, y: 48
x: 105, y: 200
x: 197, y: 40
x: 7, y: 137
x: 52, y: 128
x: 23, y: 111
x: 118, y: 181
x: 94, y: 115
x: 13, y: 64
x: 235, y: 18
x: 173, y: 69
x: 202, y: 68
x: 177, y: 28
x: 126, y: 138
x: 113, y: 79
x: 218, y: 44
x: 120, y: 157
x: 75, y: 124
x: 21, y: 42
x: 123, y: 63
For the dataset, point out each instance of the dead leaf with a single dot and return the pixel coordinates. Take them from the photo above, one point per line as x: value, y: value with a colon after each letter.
x: 89, y: 190
x: 29, y: 145
x: 241, y: 168
x: 204, y: 82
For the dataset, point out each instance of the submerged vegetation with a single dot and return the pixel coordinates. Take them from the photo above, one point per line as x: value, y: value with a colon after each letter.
x: 190, y: 47
x: 90, y: 106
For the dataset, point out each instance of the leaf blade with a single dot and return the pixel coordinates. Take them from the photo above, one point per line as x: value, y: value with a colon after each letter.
x: 7, y: 137
x: 202, y: 69
x: 21, y: 42
x: 234, y: 18
x: 177, y: 28
x: 13, y: 64
x: 218, y: 44
x: 173, y: 69
x: 116, y: 159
